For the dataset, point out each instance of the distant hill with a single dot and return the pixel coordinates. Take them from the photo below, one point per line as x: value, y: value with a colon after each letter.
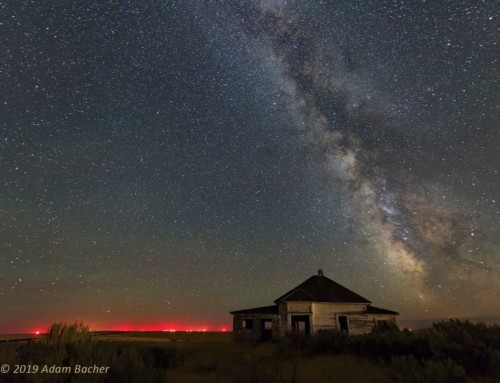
x: 421, y: 323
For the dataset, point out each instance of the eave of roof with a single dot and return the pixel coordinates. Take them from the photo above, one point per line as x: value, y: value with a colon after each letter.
x: 274, y: 309
x: 378, y: 310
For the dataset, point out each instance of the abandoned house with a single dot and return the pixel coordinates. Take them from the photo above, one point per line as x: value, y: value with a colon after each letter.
x: 316, y: 304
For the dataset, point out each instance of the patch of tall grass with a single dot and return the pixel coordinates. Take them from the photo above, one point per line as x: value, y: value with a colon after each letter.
x: 73, y: 344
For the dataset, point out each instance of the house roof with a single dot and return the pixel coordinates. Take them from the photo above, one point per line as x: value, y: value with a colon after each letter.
x: 258, y: 310
x: 319, y: 288
x: 378, y: 310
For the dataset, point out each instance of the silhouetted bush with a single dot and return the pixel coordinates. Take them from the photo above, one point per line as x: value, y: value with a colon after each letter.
x: 385, y: 345
x: 385, y: 326
x: 328, y: 342
x: 474, y: 347
x: 445, y: 351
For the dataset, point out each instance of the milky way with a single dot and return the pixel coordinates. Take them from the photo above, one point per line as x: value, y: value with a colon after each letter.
x: 421, y: 239
x: 163, y: 163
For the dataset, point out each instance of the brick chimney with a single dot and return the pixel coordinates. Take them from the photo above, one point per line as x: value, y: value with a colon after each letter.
x: 320, y: 272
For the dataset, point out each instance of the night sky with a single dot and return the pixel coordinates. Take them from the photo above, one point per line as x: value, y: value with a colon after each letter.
x: 165, y: 162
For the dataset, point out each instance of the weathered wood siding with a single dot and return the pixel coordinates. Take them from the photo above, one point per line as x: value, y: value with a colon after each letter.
x: 299, y: 307
x: 325, y: 315
x: 360, y: 324
x: 383, y: 317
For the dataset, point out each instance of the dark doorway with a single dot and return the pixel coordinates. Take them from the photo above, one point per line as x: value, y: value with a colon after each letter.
x: 343, y: 322
x: 301, y: 324
x: 247, y: 324
x: 267, y: 329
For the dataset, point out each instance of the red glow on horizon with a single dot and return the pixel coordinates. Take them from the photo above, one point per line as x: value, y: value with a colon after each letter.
x: 169, y: 328
x: 129, y: 326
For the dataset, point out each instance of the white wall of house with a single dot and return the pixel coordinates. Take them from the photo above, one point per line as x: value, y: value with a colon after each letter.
x: 325, y: 314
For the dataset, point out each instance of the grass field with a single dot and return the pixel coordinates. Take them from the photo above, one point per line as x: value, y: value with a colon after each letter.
x: 449, y: 352
x: 215, y: 357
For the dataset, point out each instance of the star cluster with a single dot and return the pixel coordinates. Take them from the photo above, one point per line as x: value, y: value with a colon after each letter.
x: 163, y: 163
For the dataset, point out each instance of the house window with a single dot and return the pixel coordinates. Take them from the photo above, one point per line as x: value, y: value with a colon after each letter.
x: 248, y: 324
x: 343, y: 323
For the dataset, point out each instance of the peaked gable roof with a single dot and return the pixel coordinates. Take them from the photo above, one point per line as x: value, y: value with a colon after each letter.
x: 319, y: 288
